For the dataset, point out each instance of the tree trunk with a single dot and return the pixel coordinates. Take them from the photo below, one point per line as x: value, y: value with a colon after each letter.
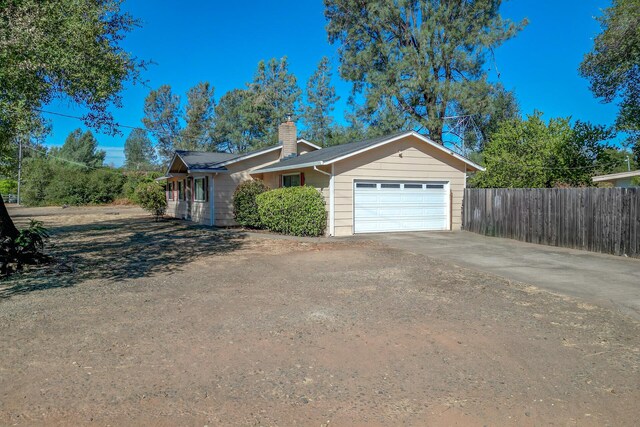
x: 7, y: 228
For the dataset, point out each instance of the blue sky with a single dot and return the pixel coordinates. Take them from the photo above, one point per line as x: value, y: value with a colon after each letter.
x: 222, y: 42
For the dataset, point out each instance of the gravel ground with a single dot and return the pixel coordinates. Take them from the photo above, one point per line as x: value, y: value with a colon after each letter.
x: 170, y: 324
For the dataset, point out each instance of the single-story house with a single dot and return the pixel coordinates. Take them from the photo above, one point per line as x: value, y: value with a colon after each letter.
x: 398, y: 182
x: 621, y: 180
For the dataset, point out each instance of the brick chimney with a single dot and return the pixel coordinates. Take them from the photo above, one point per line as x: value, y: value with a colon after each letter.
x: 288, y: 138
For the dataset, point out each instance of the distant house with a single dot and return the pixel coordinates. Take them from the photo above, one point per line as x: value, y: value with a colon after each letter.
x: 399, y: 182
x: 621, y: 180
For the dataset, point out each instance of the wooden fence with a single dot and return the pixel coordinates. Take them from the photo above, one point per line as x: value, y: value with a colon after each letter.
x: 595, y: 219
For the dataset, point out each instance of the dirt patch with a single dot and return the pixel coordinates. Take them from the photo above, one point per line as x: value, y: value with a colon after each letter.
x: 165, y: 324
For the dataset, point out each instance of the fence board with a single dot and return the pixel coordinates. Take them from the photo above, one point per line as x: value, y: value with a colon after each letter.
x: 596, y: 219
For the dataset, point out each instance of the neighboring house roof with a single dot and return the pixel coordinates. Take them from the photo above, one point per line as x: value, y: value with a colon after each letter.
x: 615, y: 176
x: 207, y: 161
x: 336, y: 153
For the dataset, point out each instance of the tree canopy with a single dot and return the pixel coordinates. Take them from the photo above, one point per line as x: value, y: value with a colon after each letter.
x: 534, y: 154
x: 82, y: 149
x: 162, y: 118
x: 424, y: 58
x: 62, y: 49
x: 320, y: 103
x: 197, y: 135
x: 139, y: 153
x: 613, y: 66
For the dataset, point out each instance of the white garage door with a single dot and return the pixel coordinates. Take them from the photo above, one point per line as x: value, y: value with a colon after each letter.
x: 400, y: 206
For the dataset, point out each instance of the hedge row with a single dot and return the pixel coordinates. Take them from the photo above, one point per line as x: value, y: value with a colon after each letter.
x: 298, y: 211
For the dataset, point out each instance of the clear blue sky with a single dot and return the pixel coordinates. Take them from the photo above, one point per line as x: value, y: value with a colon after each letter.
x: 222, y: 42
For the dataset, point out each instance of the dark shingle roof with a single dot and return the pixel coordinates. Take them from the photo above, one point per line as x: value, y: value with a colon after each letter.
x: 329, y: 153
x: 202, y: 159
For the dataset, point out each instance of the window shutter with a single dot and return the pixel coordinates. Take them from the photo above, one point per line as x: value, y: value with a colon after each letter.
x: 301, y: 179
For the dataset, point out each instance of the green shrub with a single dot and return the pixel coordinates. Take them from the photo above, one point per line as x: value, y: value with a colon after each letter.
x: 245, y: 208
x: 151, y: 197
x: 8, y: 186
x: 133, y: 179
x: 54, y: 183
x: 299, y: 211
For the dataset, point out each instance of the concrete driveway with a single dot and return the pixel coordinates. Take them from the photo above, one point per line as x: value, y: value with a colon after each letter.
x: 604, y: 279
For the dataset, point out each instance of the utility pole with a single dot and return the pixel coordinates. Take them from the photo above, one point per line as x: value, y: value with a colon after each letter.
x: 628, y: 165
x: 19, y: 167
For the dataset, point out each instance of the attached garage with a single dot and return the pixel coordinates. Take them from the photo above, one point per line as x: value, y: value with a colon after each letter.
x: 400, y: 182
x: 385, y: 206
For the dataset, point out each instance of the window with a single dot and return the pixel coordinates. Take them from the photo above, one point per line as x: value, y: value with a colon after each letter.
x: 365, y: 185
x: 413, y: 186
x: 435, y: 185
x: 291, y: 180
x: 199, y: 189
x: 170, y: 190
x: 389, y: 185
x: 181, y: 190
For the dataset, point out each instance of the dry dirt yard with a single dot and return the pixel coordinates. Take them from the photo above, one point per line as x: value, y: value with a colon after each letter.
x: 170, y: 324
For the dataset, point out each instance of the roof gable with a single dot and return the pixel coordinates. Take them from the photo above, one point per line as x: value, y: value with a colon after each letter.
x: 201, y: 161
x: 333, y: 154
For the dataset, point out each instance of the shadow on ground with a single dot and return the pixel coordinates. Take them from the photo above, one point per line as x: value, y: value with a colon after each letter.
x: 121, y: 249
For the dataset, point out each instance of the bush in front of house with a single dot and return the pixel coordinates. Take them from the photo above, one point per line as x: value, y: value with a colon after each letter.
x: 299, y: 211
x: 245, y: 208
x: 151, y: 197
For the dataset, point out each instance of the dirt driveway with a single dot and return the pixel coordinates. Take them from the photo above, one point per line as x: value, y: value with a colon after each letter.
x: 166, y: 324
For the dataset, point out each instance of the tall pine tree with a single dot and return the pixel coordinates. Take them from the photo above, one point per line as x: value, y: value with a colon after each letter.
x: 321, y: 99
x: 162, y: 119
x: 139, y: 153
x: 275, y: 96
x: 81, y: 148
x: 422, y: 57
x: 197, y: 135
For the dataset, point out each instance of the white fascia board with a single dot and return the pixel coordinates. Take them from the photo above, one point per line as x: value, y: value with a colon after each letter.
x: 615, y: 176
x: 404, y: 135
x: 309, y: 143
x: 205, y: 171
x: 173, y: 159
x: 286, y: 168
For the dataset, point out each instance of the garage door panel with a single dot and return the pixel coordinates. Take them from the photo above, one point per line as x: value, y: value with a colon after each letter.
x: 387, y: 206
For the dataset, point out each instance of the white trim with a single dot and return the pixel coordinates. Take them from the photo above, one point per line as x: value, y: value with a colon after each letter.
x: 371, y: 147
x: 449, y: 206
x: 465, y: 175
x: 170, y: 196
x: 212, y: 206
x: 404, y: 135
x: 332, y: 202
x: 309, y: 143
x: 286, y: 168
x: 299, y: 174
x: 615, y: 176
x: 204, y: 186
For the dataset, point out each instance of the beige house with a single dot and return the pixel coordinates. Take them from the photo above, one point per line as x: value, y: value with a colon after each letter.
x: 199, y: 183
x: 399, y: 182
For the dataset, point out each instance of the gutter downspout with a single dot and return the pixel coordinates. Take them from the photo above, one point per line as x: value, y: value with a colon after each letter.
x: 212, y: 206
x: 331, y: 198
